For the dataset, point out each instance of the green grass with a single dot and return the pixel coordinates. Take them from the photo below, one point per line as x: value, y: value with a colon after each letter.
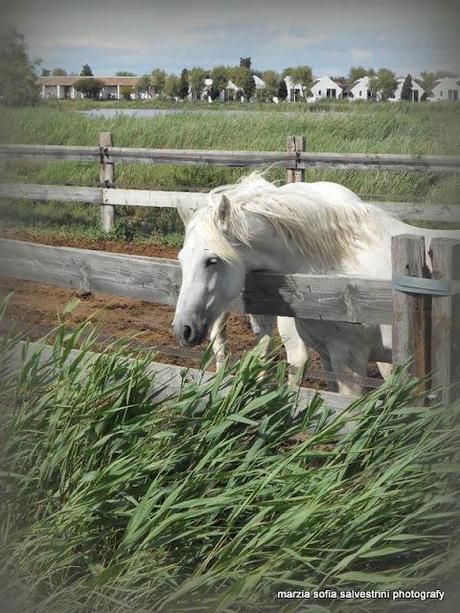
x: 216, y: 497
x: 367, y: 128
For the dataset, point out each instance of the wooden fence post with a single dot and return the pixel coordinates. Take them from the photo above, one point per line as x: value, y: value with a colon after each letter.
x: 411, y: 311
x: 445, y: 333
x: 107, y: 178
x: 296, y: 144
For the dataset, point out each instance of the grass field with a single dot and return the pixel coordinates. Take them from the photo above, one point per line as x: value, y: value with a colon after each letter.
x: 216, y: 498
x: 339, y: 127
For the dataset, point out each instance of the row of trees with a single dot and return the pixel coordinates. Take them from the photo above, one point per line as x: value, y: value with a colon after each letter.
x: 18, y: 78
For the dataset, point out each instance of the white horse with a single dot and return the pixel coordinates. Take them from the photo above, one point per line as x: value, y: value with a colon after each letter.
x: 311, y: 228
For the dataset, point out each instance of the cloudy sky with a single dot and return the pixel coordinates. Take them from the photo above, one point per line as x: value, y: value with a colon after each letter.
x: 329, y: 35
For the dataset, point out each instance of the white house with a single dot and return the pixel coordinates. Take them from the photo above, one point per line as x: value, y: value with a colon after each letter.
x: 446, y: 90
x: 325, y: 87
x: 64, y: 87
x: 416, y: 92
x: 294, y: 90
x: 361, y: 89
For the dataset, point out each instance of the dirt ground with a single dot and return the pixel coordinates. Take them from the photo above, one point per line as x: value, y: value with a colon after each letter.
x: 34, y: 307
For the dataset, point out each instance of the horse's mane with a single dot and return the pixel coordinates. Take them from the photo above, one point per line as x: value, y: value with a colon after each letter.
x: 322, y: 226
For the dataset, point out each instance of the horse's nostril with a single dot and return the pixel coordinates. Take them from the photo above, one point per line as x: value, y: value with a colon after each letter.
x: 187, y: 333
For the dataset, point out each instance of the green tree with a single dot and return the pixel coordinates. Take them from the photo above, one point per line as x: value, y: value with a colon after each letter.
x: 386, y: 83
x: 125, y: 73
x: 197, y: 77
x: 18, y: 79
x: 242, y: 77
x: 172, y: 86
x: 86, y: 71
x: 90, y: 88
x: 373, y: 87
x: 282, y: 90
x: 245, y: 62
x: 219, y: 76
x: 158, y: 80
x: 59, y: 72
x: 126, y: 91
x: 144, y: 85
x: 355, y: 73
x: 302, y: 75
x: 183, y: 84
x: 272, y: 83
x: 428, y: 81
x: 46, y: 72
x: 406, y: 91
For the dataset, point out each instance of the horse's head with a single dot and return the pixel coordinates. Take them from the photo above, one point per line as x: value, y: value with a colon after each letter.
x: 212, y: 273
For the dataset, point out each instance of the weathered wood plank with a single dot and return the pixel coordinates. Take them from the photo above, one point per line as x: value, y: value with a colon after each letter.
x: 107, y: 179
x: 66, y: 193
x: 296, y: 144
x: 150, y: 198
x: 131, y: 155
x: 158, y: 280
x: 411, y: 312
x: 445, y: 332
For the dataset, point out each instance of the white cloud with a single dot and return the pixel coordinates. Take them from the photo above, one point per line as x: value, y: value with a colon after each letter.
x: 361, y: 55
x: 297, y: 41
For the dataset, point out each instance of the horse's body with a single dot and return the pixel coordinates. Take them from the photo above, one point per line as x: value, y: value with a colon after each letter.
x: 312, y: 228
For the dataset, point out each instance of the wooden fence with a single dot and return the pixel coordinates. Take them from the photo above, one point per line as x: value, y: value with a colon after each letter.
x: 424, y: 313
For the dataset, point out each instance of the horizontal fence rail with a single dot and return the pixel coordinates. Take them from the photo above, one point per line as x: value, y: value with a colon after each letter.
x: 295, y: 160
x: 339, y: 298
x: 169, y: 199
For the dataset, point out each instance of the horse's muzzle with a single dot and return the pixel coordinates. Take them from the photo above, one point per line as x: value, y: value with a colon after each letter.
x: 189, y: 335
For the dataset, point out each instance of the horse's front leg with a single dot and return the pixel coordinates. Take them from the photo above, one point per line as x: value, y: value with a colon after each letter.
x: 296, y: 349
x: 218, y: 338
x: 263, y: 326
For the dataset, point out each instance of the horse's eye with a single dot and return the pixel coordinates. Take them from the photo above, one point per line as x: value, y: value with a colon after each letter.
x: 212, y: 262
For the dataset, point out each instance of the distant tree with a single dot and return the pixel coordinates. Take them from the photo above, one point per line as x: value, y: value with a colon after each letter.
x: 126, y: 91
x: 125, y: 73
x: 90, y: 88
x: 302, y: 75
x: 386, y: 83
x: 197, y: 77
x: 144, y: 85
x: 282, y: 90
x: 86, y: 71
x: 245, y: 62
x: 172, y: 86
x: 46, y: 72
x: 355, y: 73
x: 373, y: 87
x: 406, y: 91
x: 183, y: 84
x: 59, y: 72
x: 158, y: 80
x: 220, y: 77
x: 371, y: 72
x: 18, y: 79
x: 429, y: 79
x: 243, y: 78
x: 272, y: 83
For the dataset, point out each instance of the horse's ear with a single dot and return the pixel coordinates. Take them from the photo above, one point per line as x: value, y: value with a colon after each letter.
x: 223, y: 212
x: 185, y: 213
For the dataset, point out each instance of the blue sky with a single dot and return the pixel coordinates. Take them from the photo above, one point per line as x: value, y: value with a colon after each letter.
x: 329, y: 35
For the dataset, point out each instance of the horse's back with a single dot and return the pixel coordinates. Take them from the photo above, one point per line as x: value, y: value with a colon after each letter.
x: 323, y: 189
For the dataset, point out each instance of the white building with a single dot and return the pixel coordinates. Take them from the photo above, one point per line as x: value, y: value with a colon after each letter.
x: 64, y: 87
x: 416, y: 92
x: 295, y: 91
x: 446, y: 90
x: 325, y: 87
x: 361, y: 89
